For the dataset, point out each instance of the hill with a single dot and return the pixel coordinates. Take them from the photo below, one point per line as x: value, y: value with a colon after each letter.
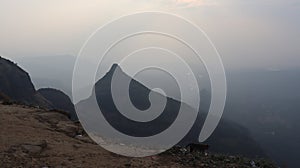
x: 15, y: 83
x: 59, y: 100
x: 267, y: 103
x: 16, y: 86
x: 229, y: 137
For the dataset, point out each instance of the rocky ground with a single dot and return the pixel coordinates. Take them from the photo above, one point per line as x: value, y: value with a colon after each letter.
x: 33, y: 137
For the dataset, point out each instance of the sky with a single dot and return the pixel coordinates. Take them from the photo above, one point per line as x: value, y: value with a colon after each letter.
x: 256, y: 34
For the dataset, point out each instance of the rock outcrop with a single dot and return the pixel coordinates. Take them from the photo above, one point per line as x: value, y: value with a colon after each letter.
x: 59, y: 101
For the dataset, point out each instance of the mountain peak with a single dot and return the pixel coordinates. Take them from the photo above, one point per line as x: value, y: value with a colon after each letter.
x: 114, y: 67
x: 112, y: 70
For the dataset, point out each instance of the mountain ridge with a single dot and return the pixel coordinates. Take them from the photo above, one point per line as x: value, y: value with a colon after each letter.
x: 16, y: 86
x: 244, y: 144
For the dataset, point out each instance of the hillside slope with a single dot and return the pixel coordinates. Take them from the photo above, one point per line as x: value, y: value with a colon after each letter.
x: 59, y: 100
x: 229, y: 137
x: 16, y: 84
x: 31, y: 137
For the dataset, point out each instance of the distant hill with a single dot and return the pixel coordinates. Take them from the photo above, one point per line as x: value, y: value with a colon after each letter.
x: 267, y: 103
x: 229, y: 137
x: 16, y: 85
x: 59, y: 100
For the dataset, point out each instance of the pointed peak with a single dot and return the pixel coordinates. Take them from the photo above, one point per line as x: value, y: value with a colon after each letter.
x: 114, y: 67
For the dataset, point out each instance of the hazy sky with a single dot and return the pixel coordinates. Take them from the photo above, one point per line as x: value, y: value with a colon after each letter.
x: 247, y: 34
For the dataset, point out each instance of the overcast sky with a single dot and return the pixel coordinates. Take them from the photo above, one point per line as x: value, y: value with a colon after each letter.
x: 247, y: 34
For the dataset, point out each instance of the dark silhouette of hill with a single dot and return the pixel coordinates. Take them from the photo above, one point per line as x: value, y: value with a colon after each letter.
x: 139, y: 97
x: 59, y: 100
x: 16, y: 86
x: 229, y: 137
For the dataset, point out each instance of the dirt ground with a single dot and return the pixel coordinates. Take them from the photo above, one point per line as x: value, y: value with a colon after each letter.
x: 32, y: 137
